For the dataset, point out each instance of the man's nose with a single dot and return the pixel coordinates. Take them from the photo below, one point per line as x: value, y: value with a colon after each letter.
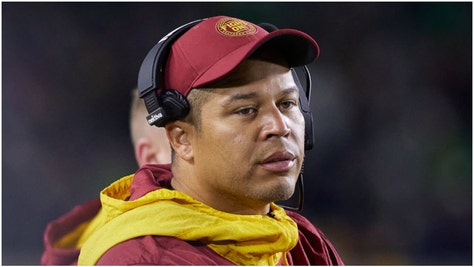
x: 275, y: 124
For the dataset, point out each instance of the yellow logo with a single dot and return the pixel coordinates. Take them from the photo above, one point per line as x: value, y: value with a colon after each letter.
x: 235, y: 27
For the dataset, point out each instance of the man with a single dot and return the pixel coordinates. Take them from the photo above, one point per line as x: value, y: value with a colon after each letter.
x: 64, y: 236
x: 237, y: 142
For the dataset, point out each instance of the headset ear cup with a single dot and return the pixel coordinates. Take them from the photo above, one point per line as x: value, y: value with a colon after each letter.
x: 309, y: 137
x: 306, y: 111
x: 175, y: 105
x: 308, y: 121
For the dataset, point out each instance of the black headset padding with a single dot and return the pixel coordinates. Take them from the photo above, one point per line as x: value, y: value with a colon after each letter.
x: 175, y: 104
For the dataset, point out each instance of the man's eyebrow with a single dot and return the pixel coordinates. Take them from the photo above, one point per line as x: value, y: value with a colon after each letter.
x: 253, y: 95
x: 291, y: 90
x: 239, y: 96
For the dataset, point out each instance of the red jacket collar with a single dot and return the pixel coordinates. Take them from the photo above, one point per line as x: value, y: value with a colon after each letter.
x: 150, y: 177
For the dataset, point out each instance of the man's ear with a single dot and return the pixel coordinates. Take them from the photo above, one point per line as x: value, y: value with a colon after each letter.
x: 179, y: 134
x: 145, y: 152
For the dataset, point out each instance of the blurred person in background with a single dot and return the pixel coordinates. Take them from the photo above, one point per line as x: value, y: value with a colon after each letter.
x: 230, y: 105
x: 64, y: 236
x: 150, y: 143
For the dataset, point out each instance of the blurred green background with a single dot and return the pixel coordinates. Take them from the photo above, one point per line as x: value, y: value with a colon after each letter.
x: 389, y: 180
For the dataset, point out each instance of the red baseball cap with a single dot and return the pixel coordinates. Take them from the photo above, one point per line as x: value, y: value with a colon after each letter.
x: 214, y: 47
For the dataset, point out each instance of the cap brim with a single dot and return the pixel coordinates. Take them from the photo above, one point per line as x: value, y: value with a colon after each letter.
x: 297, y: 47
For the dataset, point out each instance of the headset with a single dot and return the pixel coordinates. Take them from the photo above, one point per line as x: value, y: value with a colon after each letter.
x: 169, y: 105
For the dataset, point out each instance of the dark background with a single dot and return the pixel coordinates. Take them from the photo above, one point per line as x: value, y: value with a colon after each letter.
x: 389, y: 180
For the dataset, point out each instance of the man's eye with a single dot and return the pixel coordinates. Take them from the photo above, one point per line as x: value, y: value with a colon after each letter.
x: 246, y: 111
x: 288, y: 104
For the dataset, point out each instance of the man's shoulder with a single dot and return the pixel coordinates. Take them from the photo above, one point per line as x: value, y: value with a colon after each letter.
x: 306, y: 228
x: 302, y: 221
x: 161, y: 250
x: 313, y: 247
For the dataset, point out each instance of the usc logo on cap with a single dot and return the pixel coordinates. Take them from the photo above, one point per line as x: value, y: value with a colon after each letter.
x: 235, y: 27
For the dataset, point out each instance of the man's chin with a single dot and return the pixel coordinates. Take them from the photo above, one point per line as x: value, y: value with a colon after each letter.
x: 282, y: 192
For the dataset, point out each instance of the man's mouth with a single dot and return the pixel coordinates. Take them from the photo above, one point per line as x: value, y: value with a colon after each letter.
x: 279, y: 162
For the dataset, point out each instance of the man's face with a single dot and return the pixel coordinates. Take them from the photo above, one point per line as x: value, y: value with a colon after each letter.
x: 250, y: 146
